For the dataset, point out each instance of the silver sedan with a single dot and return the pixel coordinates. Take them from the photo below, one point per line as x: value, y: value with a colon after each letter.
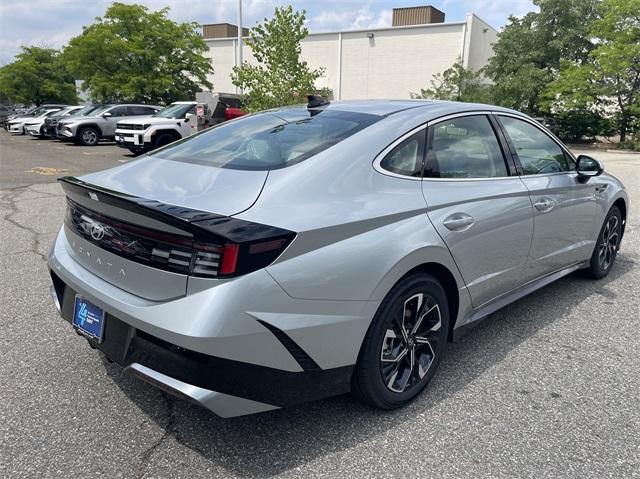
x: 309, y: 251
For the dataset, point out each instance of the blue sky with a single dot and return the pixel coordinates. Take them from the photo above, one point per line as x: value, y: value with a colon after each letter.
x: 53, y: 22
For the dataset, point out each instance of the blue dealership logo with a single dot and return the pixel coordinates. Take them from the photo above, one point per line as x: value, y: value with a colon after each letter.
x: 82, y: 313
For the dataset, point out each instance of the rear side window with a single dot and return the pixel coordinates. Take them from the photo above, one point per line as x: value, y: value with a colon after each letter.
x: 267, y: 141
x: 406, y: 158
x: 537, y: 152
x: 465, y: 147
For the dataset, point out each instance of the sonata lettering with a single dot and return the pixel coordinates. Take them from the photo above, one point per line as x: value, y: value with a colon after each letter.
x: 98, y: 262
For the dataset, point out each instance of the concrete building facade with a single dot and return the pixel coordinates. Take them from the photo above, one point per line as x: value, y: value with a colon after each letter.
x: 376, y: 63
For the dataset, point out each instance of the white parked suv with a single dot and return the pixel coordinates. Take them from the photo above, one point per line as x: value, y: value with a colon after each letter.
x: 139, y: 135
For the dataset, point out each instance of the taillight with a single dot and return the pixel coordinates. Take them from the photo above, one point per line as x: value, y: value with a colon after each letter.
x: 229, y: 258
x: 218, y: 247
x: 230, y: 113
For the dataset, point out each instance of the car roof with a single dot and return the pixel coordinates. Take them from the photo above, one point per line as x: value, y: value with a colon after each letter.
x: 130, y: 104
x: 391, y: 107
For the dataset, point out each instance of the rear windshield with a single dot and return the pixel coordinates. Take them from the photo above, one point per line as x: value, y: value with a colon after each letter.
x: 267, y: 141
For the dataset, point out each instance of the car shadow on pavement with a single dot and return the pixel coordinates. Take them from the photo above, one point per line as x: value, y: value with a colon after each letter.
x: 268, y: 444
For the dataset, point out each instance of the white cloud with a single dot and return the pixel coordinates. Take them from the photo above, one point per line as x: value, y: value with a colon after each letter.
x: 362, y: 17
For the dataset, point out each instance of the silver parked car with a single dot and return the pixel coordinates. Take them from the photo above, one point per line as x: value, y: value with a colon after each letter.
x: 100, y: 124
x: 309, y: 251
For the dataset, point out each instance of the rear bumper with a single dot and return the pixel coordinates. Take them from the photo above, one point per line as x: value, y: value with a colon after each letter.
x: 205, y: 347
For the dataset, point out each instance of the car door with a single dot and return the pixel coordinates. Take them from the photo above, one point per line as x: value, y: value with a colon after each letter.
x: 480, y: 208
x: 564, y: 206
x: 109, y: 124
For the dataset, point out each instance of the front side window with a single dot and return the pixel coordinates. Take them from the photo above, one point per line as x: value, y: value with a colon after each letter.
x: 406, y: 158
x: 537, y: 152
x: 118, y: 111
x: 465, y: 147
x: 267, y: 141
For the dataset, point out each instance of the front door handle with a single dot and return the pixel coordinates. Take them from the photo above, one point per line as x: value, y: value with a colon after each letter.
x: 458, y: 222
x: 544, y: 204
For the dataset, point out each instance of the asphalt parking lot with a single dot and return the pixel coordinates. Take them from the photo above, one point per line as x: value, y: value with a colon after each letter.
x: 546, y: 387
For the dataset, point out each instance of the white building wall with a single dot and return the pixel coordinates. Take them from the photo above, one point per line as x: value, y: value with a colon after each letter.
x: 398, y: 61
x: 322, y: 50
x: 480, y: 40
x: 392, y: 64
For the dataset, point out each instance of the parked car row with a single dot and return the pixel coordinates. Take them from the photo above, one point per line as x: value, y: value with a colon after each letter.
x: 136, y: 127
x: 177, y: 121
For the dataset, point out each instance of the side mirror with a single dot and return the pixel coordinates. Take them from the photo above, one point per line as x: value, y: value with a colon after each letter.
x: 106, y: 115
x: 586, y: 167
x: 188, y: 117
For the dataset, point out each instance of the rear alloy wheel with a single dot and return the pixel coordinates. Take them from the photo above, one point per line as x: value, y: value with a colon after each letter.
x: 606, y: 250
x: 88, y: 136
x: 404, y: 344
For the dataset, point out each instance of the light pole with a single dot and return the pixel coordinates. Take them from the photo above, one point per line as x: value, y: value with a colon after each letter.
x: 239, y: 32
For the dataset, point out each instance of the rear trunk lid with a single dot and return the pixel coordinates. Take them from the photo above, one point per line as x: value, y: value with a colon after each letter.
x: 221, y: 191
x: 133, y: 225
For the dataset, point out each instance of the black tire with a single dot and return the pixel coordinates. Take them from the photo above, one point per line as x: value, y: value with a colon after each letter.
x: 607, y: 245
x: 163, y: 139
x: 373, y: 380
x: 87, y: 136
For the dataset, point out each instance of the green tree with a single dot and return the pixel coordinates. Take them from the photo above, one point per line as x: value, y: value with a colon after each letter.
x: 458, y: 84
x: 134, y: 54
x: 37, y: 76
x: 280, y: 77
x: 609, y: 82
x: 529, y: 50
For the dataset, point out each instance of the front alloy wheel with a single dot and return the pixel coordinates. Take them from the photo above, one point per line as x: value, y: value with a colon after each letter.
x: 608, y: 243
x: 88, y: 137
x: 404, y: 344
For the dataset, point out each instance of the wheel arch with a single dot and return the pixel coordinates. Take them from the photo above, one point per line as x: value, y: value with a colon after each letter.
x: 169, y: 131
x: 622, y: 206
x: 448, y: 281
x: 89, y: 125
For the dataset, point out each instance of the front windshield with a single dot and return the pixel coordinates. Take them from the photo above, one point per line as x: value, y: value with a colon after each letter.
x: 100, y: 110
x: 174, y: 111
x: 84, y: 110
x: 38, y: 111
x: 268, y: 141
x: 63, y: 112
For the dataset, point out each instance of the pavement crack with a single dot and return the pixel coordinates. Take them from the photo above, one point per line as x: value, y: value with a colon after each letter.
x: 12, y: 205
x: 146, y: 455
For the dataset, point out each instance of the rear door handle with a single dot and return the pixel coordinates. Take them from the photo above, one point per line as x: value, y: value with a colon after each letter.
x: 458, y: 222
x: 544, y: 204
